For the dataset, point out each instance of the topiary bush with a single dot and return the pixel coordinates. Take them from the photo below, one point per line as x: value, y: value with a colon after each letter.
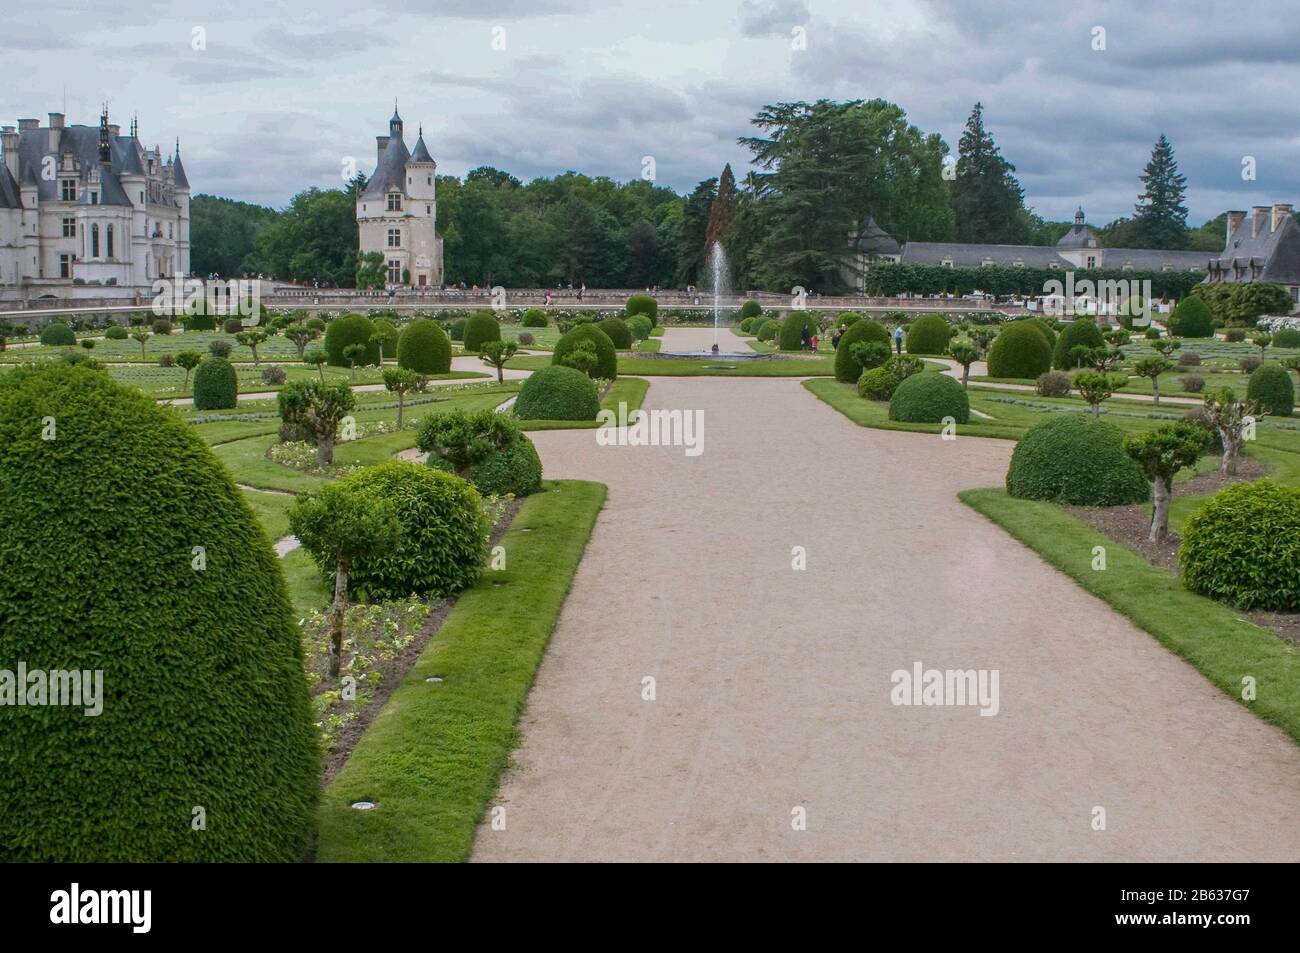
x: 1287, y: 337
x: 204, y: 700
x: 1077, y: 459
x: 790, y: 336
x: 879, y: 383
x: 1021, y: 350
x: 1271, y: 387
x: 457, y: 331
x: 162, y: 326
x: 271, y: 375
x: 929, y: 334
x: 847, y: 368
x: 557, y: 393
x: 769, y: 330
x: 515, y: 470
x: 525, y: 338
x: 1193, y: 383
x: 1081, y: 332
x: 345, y: 331
x: 618, y: 332
x: 1053, y: 384
x: 115, y: 332
x: 58, y: 334
x: 481, y: 327
x: 233, y: 326
x: 750, y: 309
x: 1249, y: 364
x: 1189, y: 358
x: 534, y: 318
x: 1243, y: 547
x: 640, y: 326
x: 929, y: 398
x: 216, y: 386
x: 643, y: 304
x: 200, y: 321
x: 607, y: 359
x: 1192, y: 318
x: 424, y: 348
x: 444, y: 532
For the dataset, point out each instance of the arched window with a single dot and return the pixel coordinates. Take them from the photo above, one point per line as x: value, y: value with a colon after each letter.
x: 94, y: 241
x: 109, y: 237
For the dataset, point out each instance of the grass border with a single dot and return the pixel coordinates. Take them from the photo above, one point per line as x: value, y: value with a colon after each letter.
x: 1220, y: 644
x: 431, y: 758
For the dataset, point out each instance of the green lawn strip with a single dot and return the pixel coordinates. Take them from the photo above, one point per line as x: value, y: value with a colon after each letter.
x: 248, y: 465
x: 271, y: 510
x: 649, y: 344
x: 431, y: 758
x: 629, y: 390
x: 875, y: 413
x: 307, y: 587
x: 1212, y: 637
x: 657, y: 331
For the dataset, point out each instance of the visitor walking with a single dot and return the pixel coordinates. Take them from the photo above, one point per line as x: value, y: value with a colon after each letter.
x: 898, y: 339
x: 804, y: 342
x: 835, y: 339
x: 814, y: 343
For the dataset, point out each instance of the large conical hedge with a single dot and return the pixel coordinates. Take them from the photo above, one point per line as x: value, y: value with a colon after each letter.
x: 205, y: 712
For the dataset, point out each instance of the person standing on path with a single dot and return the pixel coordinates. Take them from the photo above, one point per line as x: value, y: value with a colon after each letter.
x: 835, y: 338
x: 898, y: 339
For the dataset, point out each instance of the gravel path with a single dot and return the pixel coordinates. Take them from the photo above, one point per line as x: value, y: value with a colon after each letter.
x: 772, y: 685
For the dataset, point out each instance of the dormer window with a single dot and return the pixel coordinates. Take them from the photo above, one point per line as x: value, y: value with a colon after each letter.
x: 394, y: 201
x: 68, y: 189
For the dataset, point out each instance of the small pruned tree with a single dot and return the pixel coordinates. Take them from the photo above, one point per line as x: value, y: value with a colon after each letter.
x: 965, y: 355
x: 1161, y: 453
x: 1234, y: 419
x: 496, y: 354
x: 250, y: 340
x: 465, y: 440
x: 339, y: 525
x: 399, y: 380
x: 141, y: 335
x: 982, y: 338
x: 220, y: 348
x: 354, y: 354
x: 1262, y: 341
x: 301, y: 336
x: 188, y: 360
x: 315, y: 410
x: 1152, y: 367
x: 317, y: 358
x: 1165, y: 347
x: 1095, y: 388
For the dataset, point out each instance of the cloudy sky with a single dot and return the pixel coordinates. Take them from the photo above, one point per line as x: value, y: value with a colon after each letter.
x: 270, y: 97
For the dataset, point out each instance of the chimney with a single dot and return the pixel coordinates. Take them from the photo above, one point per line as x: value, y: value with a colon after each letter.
x: 9, y: 138
x: 25, y: 124
x: 1235, y: 218
x: 56, y: 130
x: 381, y: 143
x: 1280, y: 213
x: 1258, y: 216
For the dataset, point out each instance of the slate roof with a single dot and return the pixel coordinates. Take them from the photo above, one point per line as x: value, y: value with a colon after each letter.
x: 972, y: 256
x: 876, y: 241
x: 9, y: 194
x: 421, y: 153
x: 1079, y: 236
x: 1278, y: 251
x: 126, y: 157
x: 390, y: 174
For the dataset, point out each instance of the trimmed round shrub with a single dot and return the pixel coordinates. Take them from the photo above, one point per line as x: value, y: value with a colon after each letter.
x: 607, y: 364
x: 1287, y: 337
x: 848, y: 318
x: 557, y: 393
x: 640, y: 326
x: 58, y: 334
x: 1192, y: 318
x: 457, y: 331
x: 929, y: 334
x: 1271, y: 387
x: 1249, y: 364
x: 1193, y: 383
x: 1189, y: 358
x: 750, y: 309
x: 1049, y: 329
x: 345, y: 331
x: 515, y: 470
x: 769, y: 330
x: 1053, y: 384
x: 847, y: 368
x: 1020, y: 350
x: 879, y: 383
x: 274, y: 375
x: 618, y: 332
x: 162, y: 326
x: 204, y: 701
x: 233, y: 326
x: 534, y: 318
x: 115, y: 332
x: 790, y: 337
x: 443, y: 542
x: 642, y: 304
x: 1081, y: 332
x: 1243, y: 547
x: 525, y: 338
x: 481, y: 327
x: 423, y: 347
x: 216, y: 386
x: 316, y: 324
x: 1078, y: 459
x: 929, y: 398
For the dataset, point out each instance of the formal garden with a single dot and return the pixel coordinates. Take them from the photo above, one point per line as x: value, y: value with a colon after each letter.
x: 342, y: 525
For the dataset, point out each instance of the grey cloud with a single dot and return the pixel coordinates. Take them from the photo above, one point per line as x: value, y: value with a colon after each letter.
x: 771, y: 17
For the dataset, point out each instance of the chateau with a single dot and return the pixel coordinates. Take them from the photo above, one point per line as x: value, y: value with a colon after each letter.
x: 87, y: 212
x: 397, y: 212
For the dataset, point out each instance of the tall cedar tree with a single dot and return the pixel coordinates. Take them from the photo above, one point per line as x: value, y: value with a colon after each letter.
x: 695, y: 226
x: 721, y: 211
x: 986, y: 197
x: 1160, y: 218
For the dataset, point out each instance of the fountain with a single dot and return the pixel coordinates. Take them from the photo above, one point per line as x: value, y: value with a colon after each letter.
x: 721, y: 278
x: 718, y: 264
